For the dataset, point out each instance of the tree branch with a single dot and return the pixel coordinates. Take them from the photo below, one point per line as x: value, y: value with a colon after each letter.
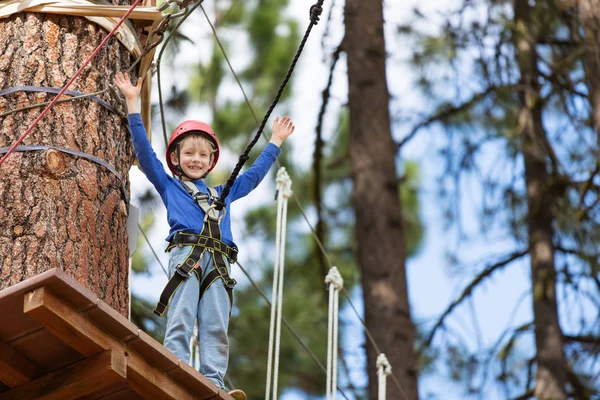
x: 487, y: 272
x: 449, y: 112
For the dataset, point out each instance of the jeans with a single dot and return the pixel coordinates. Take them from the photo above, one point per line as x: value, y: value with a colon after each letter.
x: 212, y: 313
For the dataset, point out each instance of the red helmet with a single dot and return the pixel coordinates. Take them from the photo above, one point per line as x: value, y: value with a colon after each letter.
x: 189, y: 126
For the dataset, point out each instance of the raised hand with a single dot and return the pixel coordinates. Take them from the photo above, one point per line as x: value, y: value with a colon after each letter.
x: 281, y: 130
x: 124, y: 84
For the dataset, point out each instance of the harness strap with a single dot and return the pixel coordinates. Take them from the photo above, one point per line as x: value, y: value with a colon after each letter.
x: 182, y: 272
x: 202, y: 199
x: 190, y: 239
x: 209, y: 239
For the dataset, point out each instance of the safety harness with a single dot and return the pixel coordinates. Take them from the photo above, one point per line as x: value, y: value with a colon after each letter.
x: 208, y: 240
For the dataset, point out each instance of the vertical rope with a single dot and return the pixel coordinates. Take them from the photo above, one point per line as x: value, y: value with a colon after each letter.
x: 284, y: 190
x: 336, y: 283
x: 384, y: 369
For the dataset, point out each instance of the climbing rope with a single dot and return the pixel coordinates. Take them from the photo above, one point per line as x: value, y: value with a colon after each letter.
x: 64, y: 89
x: 384, y: 368
x: 284, y: 191
x: 315, y: 13
x: 336, y: 283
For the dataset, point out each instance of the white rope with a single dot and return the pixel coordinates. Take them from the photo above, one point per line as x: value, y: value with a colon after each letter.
x: 336, y: 283
x: 284, y: 185
x: 384, y: 368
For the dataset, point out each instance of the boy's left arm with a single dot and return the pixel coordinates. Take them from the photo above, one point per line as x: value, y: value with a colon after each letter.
x: 250, y: 179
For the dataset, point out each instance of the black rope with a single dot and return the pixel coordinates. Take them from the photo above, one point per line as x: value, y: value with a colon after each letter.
x: 315, y: 13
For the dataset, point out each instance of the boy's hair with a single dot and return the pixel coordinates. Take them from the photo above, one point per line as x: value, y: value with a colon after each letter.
x: 199, y: 135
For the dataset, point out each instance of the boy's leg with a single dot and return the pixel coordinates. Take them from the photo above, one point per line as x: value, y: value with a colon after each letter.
x: 183, y: 308
x: 213, y: 322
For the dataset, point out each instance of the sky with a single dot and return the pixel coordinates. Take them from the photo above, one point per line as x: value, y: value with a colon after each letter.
x: 432, y: 282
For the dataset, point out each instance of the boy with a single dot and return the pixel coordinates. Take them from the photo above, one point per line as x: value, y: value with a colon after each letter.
x: 192, y: 153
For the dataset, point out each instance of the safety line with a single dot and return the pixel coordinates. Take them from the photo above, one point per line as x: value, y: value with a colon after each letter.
x: 316, y: 238
x: 52, y: 90
x: 90, y: 157
x: 64, y: 89
x: 81, y: 96
x: 287, y: 324
x: 153, y: 252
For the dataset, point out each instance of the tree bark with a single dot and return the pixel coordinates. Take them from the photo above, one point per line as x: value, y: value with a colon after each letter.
x: 551, y: 361
x: 589, y: 14
x: 379, y: 222
x: 59, y: 210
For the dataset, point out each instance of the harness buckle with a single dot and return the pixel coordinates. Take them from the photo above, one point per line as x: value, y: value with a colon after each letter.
x: 181, y: 272
x: 230, y: 284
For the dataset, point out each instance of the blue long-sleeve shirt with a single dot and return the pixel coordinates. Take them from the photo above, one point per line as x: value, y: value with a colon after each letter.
x: 183, y: 213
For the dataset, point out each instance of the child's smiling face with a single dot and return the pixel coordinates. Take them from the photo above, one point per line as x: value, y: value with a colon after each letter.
x: 196, y: 155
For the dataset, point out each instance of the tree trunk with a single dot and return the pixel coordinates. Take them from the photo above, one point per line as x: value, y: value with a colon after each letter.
x: 60, y: 210
x: 379, y: 222
x: 551, y: 361
x: 589, y: 14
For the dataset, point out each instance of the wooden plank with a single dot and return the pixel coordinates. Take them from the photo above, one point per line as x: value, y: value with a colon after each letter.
x: 83, y: 335
x: 112, y: 322
x: 15, y: 368
x: 195, y: 380
x: 60, y: 319
x: 123, y: 394
x: 14, y: 323
x: 116, y: 391
x: 75, y: 380
x: 153, y: 351
x: 151, y: 383
x: 84, y: 10
x: 46, y: 350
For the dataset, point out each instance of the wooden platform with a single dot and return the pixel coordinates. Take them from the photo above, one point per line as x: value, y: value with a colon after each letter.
x: 58, y: 341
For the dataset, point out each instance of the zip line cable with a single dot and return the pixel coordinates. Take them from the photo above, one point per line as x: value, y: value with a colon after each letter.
x: 64, y: 89
x: 314, y: 233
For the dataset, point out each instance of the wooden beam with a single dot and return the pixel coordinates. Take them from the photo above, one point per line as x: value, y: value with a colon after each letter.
x: 84, y: 336
x: 84, y: 10
x: 64, y: 322
x: 151, y: 383
x: 15, y: 369
x: 74, y: 381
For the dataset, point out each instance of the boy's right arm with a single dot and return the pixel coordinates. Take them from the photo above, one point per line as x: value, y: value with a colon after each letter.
x: 149, y: 163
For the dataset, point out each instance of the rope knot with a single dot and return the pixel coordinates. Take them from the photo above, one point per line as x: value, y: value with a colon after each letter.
x: 382, y: 362
x: 315, y: 13
x: 284, y: 183
x: 334, y: 278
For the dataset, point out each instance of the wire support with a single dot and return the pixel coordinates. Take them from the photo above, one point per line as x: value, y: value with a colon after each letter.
x: 288, y: 326
x: 89, y: 157
x: 158, y: 64
x: 372, y: 340
x: 153, y: 252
